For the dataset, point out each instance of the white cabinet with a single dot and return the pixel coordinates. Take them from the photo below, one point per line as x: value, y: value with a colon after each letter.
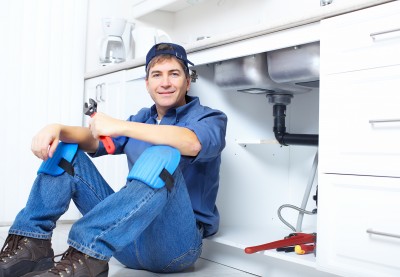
x: 360, y: 122
x: 136, y: 95
x: 360, y: 76
x: 358, y: 233
x: 107, y: 91
x: 144, y: 7
x: 361, y: 40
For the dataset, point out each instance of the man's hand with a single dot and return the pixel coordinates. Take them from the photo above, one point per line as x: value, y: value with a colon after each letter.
x: 45, y: 142
x: 102, y: 125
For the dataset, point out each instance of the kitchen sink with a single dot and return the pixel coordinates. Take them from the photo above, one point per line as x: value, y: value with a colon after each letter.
x: 290, y: 70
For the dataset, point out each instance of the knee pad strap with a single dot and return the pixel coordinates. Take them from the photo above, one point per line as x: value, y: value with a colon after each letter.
x: 155, y: 166
x: 61, y: 160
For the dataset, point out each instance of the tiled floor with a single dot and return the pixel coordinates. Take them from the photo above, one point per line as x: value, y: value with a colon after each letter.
x: 203, y: 268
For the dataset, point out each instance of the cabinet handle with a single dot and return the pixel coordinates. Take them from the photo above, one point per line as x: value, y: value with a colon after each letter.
x: 383, y: 121
x: 98, y: 92
x: 103, y: 85
x: 372, y: 232
x: 385, y: 34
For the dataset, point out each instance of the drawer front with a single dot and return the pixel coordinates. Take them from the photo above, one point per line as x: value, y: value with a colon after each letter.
x: 360, y: 40
x: 359, y: 231
x: 360, y: 122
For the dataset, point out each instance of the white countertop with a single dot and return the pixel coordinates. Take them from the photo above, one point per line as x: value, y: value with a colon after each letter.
x: 249, y: 32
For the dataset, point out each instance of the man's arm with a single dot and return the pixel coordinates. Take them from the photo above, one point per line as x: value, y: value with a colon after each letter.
x: 45, y: 142
x: 181, y: 138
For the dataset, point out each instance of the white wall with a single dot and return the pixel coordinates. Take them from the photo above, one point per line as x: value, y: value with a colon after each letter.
x: 43, y: 50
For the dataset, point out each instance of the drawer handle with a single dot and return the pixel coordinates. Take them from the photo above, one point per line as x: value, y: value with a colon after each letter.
x: 383, y: 121
x: 385, y: 34
x: 372, y: 232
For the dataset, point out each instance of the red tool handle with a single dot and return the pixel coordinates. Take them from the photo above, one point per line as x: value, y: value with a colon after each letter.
x: 108, y: 144
x: 299, y: 238
x: 107, y: 141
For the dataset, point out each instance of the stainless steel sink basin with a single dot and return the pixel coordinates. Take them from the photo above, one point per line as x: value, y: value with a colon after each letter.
x: 289, y: 71
x: 298, y: 65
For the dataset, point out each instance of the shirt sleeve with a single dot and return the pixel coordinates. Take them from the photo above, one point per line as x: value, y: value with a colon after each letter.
x: 210, y: 129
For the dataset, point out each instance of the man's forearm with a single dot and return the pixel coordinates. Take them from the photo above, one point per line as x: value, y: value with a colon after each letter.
x: 80, y: 135
x: 181, y: 138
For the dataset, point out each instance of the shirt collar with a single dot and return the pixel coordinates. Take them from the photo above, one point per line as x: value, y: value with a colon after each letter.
x: 174, y: 114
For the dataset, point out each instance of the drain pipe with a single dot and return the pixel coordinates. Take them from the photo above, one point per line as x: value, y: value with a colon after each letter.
x: 280, y: 101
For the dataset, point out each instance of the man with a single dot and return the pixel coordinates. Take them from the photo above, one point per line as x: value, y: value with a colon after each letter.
x: 157, y: 221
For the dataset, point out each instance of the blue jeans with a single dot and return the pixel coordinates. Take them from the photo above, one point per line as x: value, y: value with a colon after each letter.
x: 142, y: 227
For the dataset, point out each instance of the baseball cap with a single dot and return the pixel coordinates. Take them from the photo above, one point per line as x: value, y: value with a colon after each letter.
x: 167, y: 48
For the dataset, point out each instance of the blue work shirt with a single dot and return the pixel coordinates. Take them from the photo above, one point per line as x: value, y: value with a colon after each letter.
x: 201, y: 173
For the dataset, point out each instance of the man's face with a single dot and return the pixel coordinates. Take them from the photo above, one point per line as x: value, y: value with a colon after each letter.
x: 167, y: 85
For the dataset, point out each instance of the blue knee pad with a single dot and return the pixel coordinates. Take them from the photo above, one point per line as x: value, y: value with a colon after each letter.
x: 155, y: 166
x: 61, y: 160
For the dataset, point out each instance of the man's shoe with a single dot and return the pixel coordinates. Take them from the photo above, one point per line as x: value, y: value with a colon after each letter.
x: 20, y: 255
x: 75, y: 264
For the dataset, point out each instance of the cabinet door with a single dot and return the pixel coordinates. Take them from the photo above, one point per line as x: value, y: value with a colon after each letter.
x: 109, y: 93
x: 363, y: 39
x: 358, y: 226
x: 360, y: 122
x: 136, y: 96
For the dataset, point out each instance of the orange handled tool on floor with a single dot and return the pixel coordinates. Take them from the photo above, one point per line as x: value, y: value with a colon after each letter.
x: 91, y: 109
x: 291, y: 240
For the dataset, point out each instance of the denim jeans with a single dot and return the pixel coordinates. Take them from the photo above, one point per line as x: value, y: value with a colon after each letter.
x: 142, y: 227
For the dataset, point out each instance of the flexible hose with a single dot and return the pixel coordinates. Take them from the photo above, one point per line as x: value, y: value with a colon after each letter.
x: 296, y: 208
x: 306, y: 196
x: 307, y: 192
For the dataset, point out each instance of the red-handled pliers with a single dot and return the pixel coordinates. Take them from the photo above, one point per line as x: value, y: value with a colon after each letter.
x: 291, y: 240
x: 91, y: 109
